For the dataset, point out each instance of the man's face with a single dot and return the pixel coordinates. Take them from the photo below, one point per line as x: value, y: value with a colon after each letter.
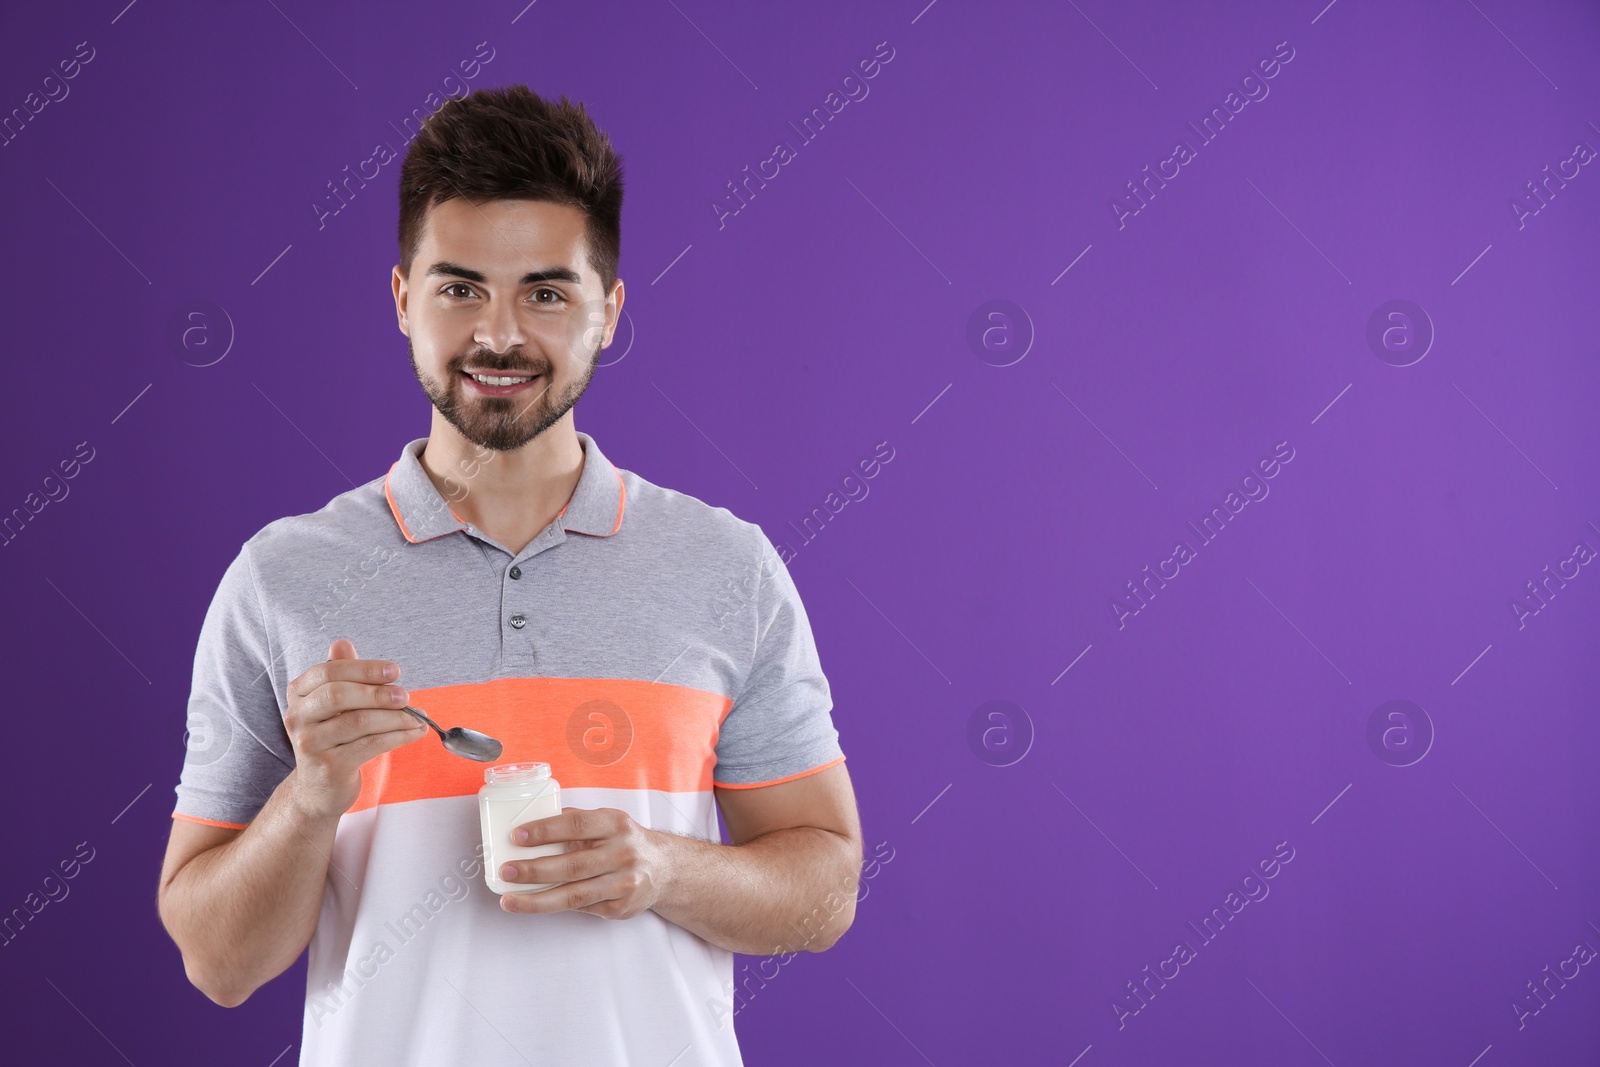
x: 504, y: 288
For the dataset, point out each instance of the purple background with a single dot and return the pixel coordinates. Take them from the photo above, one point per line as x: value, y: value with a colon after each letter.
x: 769, y: 355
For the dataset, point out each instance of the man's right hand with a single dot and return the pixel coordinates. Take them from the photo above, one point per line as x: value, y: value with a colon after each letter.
x: 342, y: 714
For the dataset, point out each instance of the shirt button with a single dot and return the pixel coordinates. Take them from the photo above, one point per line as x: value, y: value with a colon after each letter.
x: 518, y: 621
x: 516, y: 572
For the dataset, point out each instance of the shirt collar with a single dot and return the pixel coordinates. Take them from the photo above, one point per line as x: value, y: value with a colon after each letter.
x: 423, y: 513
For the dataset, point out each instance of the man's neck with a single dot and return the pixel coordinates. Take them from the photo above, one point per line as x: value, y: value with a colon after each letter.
x: 510, y: 496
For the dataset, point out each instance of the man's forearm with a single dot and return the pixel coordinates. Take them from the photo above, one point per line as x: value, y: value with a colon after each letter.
x: 244, y: 911
x: 791, y: 890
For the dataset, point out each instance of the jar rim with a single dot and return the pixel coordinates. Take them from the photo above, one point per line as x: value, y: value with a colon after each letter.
x: 531, y: 771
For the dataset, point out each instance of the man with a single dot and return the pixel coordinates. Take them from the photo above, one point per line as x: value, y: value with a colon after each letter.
x: 506, y: 577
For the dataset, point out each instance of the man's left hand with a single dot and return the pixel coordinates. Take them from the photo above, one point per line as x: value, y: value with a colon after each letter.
x: 613, y: 867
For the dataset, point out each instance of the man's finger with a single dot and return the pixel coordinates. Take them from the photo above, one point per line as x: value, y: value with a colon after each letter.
x: 566, y: 897
x: 350, y: 726
x: 573, y: 824
x: 566, y: 867
x: 341, y: 698
x: 372, y: 671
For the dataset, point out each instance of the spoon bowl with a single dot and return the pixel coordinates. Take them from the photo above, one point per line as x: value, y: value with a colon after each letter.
x: 468, y: 744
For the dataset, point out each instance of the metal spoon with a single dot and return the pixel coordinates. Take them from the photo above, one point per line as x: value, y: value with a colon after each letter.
x: 463, y: 742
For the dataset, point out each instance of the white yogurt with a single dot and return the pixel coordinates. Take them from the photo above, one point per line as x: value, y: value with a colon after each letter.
x: 512, y: 794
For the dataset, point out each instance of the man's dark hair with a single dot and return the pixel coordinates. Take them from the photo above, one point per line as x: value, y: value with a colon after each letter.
x: 508, y: 143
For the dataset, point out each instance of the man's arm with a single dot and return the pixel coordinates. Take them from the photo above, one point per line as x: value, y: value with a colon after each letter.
x: 786, y: 882
x: 242, y: 904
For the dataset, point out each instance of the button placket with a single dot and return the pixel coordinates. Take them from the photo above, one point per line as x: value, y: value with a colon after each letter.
x: 518, y: 621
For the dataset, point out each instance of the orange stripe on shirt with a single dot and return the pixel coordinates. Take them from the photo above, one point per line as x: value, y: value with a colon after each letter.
x: 594, y: 732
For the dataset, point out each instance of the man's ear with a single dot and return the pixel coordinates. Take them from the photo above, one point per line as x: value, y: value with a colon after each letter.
x: 617, y: 295
x: 398, y: 284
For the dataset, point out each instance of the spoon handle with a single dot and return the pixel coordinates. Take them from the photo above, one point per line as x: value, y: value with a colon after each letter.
x: 424, y: 718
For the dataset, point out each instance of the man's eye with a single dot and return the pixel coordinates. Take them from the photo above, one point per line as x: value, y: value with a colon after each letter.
x: 553, y: 292
x: 456, y: 285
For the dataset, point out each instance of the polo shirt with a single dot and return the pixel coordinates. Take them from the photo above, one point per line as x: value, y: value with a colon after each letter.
x: 647, y: 645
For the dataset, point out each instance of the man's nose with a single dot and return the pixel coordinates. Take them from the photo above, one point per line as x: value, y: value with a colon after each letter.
x: 499, y: 329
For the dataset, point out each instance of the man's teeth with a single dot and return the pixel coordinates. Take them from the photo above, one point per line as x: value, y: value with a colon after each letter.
x: 488, y: 379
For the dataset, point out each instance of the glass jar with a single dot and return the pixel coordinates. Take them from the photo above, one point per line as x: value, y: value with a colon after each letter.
x: 512, y: 794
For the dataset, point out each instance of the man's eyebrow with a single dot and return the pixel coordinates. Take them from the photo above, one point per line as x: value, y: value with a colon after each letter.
x: 553, y: 274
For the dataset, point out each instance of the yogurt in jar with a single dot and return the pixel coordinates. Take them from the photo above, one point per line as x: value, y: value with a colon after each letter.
x: 512, y: 794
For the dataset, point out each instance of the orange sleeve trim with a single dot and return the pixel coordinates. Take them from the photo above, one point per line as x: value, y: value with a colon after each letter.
x: 778, y: 781
x: 210, y: 822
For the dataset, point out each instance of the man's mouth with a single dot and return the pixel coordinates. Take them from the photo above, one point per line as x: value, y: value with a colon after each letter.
x: 499, y: 384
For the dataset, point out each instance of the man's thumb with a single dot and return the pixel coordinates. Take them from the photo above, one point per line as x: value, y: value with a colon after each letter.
x: 342, y: 648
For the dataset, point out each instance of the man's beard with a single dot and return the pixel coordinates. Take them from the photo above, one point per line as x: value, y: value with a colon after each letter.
x: 501, y: 423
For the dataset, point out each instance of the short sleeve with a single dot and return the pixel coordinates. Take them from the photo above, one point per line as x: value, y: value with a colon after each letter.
x: 780, y: 726
x: 238, y: 750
